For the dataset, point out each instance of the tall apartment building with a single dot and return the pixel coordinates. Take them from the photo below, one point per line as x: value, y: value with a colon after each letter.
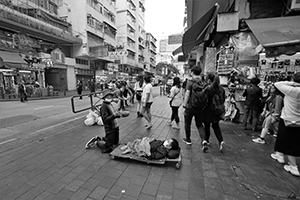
x: 94, y: 21
x: 131, y: 36
x: 35, y: 45
x: 150, y: 54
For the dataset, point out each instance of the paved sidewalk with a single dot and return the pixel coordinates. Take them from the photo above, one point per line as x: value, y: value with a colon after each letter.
x: 56, y: 166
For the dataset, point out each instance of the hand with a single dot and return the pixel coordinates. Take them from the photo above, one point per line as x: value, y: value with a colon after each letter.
x: 117, y: 115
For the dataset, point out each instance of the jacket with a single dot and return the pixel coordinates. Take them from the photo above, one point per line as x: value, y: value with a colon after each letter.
x: 253, y: 95
x: 220, y: 97
x: 110, y: 121
x: 158, y: 150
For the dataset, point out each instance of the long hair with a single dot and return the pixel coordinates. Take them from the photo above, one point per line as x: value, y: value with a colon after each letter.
x: 176, y: 82
x: 215, y: 80
x: 141, y: 81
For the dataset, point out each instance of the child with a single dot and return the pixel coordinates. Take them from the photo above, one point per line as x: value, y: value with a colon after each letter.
x: 111, y: 126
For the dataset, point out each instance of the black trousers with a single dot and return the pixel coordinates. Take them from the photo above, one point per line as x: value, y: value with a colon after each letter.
x: 174, y: 115
x: 111, y: 137
x: 216, y: 128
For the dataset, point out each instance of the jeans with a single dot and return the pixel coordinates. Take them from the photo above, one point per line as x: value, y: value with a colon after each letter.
x: 199, y: 118
x: 217, y: 131
x: 254, y: 113
x: 174, y: 115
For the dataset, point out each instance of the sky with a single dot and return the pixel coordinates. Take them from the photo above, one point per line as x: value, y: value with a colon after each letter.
x: 164, y: 17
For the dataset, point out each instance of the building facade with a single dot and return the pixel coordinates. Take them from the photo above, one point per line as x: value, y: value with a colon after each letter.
x: 95, y: 23
x: 131, y: 36
x: 150, y: 54
x: 36, y: 45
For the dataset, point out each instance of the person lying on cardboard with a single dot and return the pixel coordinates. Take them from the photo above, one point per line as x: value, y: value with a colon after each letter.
x: 153, y: 148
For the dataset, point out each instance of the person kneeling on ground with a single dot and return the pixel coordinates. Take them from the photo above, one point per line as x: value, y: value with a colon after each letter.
x: 111, y: 126
x: 152, y: 148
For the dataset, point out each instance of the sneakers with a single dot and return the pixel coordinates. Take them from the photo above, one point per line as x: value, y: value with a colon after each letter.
x: 259, y: 140
x: 187, y: 141
x: 91, y: 143
x: 221, y: 146
x: 277, y: 156
x: 204, y: 146
x: 176, y: 126
x: 292, y: 169
x: 169, y: 123
x: 149, y: 126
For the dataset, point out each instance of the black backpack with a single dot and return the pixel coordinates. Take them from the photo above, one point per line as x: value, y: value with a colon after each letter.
x: 217, y: 106
x: 199, y: 96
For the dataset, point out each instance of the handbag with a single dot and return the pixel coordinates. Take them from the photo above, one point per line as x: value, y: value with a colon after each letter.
x: 170, y: 102
x: 295, y: 124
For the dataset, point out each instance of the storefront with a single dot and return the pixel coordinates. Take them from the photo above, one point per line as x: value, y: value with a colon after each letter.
x: 84, y: 75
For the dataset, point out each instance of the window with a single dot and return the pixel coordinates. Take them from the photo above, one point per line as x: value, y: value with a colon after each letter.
x: 81, y: 61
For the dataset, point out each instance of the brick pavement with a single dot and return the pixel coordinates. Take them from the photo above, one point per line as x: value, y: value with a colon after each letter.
x: 56, y: 166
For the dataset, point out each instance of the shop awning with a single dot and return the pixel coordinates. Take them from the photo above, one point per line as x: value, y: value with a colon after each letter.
x: 107, y: 59
x: 177, y: 51
x: 197, y: 34
x: 12, y: 60
x: 278, y: 35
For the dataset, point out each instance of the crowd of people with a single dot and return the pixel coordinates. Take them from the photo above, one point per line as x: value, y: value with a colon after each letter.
x: 204, y: 100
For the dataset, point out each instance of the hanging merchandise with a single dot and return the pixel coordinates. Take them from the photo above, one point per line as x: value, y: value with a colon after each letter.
x: 245, y: 43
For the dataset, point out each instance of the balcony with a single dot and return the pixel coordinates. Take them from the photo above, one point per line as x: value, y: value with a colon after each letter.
x: 130, y: 61
x: 131, y: 46
x: 38, y: 23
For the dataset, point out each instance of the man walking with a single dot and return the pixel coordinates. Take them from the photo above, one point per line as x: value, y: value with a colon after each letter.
x: 195, y: 102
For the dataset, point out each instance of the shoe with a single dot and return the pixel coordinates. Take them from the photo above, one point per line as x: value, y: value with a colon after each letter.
x: 176, y: 126
x: 259, y: 140
x: 149, y: 126
x: 277, y: 156
x: 221, y: 146
x: 187, y: 141
x: 91, y: 143
x: 138, y: 114
x: 99, y: 139
x: 292, y: 169
x: 169, y: 123
x: 204, y: 146
x: 146, y: 125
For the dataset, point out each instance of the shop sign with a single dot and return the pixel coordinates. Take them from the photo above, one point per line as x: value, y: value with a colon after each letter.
x: 10, y: 14
x: 58, y: 56
x: 228, y: 22
x: 117, y: 53
x: 23, y: 41
x: 88, y: 72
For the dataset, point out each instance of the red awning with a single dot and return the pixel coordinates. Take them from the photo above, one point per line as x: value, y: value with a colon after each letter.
x: 197, y: 34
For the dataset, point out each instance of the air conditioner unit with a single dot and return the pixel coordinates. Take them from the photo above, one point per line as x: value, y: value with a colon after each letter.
x: 293, y: 4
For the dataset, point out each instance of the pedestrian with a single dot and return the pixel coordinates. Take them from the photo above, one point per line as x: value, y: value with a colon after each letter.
x: 175, y: 102
x: 23, y: 92
x: 138, y: 88
x: 288, y: 138
x: 271, y: 114
x: 147, y: 100
x: 79, y: 88
x: 215, y: 109
x: 91, y: 85
x: 195, y: 101
x: 253, y: 96
x: 111, y: 126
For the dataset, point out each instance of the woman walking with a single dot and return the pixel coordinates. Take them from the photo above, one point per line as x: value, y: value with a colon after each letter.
x: 175, y: 102
x: 138, y: 88
x: 215, y: 108
x: 288, y: 139
x: 147, y: 100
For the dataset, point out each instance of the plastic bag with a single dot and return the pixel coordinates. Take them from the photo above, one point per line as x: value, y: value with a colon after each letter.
x: 89, y: 121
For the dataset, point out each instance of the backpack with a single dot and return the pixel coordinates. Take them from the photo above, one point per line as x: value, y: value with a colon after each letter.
x: 217, y: 107
x: 199, y: 97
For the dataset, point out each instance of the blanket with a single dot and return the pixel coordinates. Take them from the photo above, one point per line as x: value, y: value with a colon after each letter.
x: 140, y: 147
